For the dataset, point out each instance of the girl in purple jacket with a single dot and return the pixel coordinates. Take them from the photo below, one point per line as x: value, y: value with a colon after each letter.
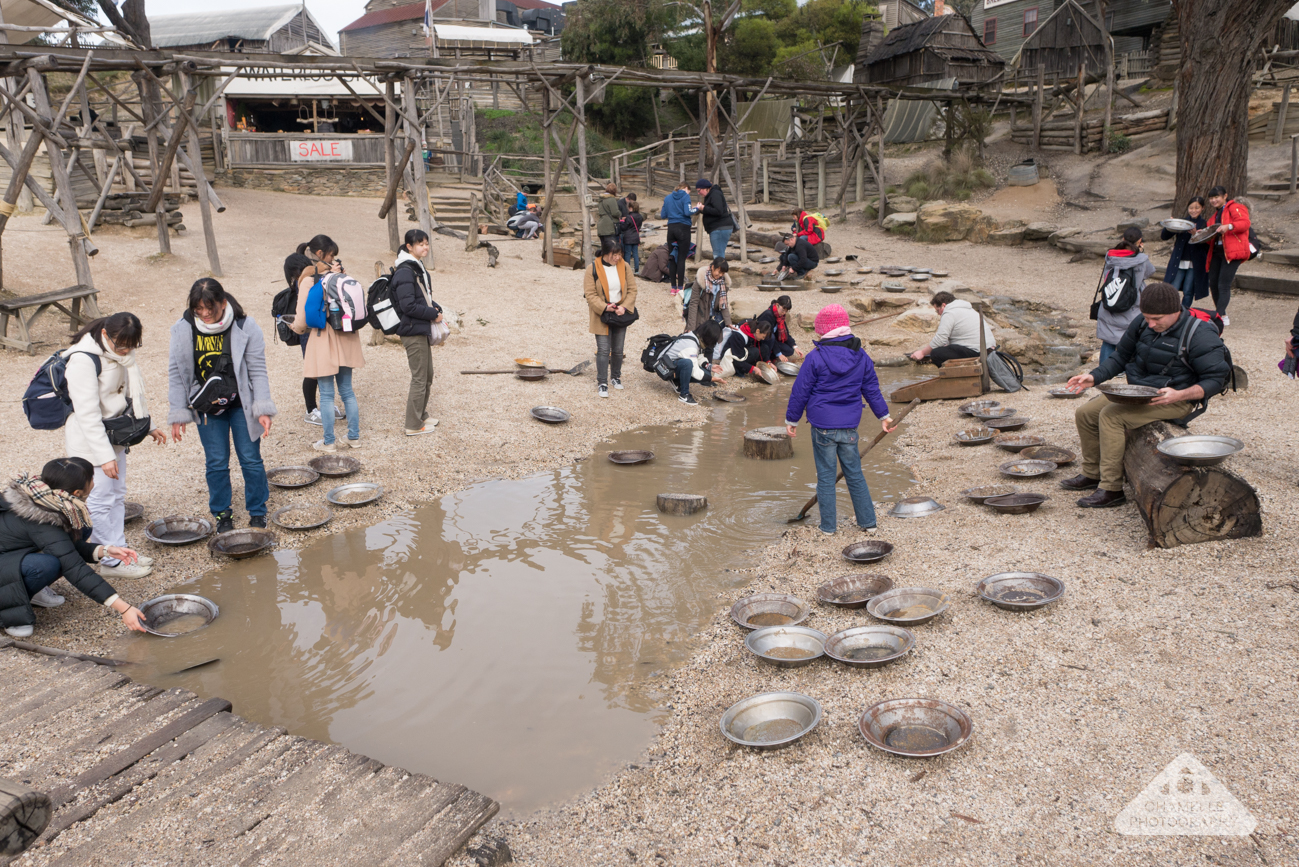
x: 831, y: 385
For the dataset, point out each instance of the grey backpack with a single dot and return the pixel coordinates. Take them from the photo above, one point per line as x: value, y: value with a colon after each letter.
x: 1005, y: 370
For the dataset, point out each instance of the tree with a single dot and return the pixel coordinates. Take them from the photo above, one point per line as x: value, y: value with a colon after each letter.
x: 1220, y: 42
x: 616, y: 32
x: 751, y: 48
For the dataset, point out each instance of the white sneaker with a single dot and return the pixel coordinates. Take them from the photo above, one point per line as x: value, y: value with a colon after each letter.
x: 602, y: 391
x: 1225, y: 321
x: 356, y: 443
x: 122, y: 570
x: 320, y: 446
x: 428, y: 428
x: 20, y: 631
x: 869, y: 531
x: 47, y: 598
x: 313, y: 417
x: 142, y: 560
x: 616, y: 383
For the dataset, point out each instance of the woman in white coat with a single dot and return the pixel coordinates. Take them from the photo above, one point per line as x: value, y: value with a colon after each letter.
x: 102, y: 376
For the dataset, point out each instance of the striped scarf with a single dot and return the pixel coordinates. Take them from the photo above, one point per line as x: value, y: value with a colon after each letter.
x: 74, y: 511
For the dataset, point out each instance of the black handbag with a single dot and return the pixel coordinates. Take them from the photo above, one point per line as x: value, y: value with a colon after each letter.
x: 611, y: 317
x: 126, y: 429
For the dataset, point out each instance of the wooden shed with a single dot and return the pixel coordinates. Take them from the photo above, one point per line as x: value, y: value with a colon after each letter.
x: 1069, y: 38
x: 930, y: 50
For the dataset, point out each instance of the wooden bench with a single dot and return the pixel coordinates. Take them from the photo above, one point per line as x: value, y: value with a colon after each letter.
x: 80, y: 296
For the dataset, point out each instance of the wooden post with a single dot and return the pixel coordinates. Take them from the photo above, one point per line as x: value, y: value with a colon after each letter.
x: 547, y: 239
x: 418, y: 179
x: 1037, y: 108
x: 1109, y: 91
x: 820, y: 183
x: 1280, y: 117
x: 1294, y: 163
x: 672, y: 154
x: 390, y: 159
x: 654, y: 103
x: 757, y: 163
x: 861, y: 176
x: 738, y: 188
x: 204, y: 205
x: 63, y: 187
x: 1078, y: 119
x: 149, y: 108
x: 879, y: 163
x: 798, y: 178
x: 584, y: 185
x: 949, y: 131
x: 1172, y: 107
x: 766, y: 181
x: 985, y: 379
x: 704, y: 121
x: 25, y: 812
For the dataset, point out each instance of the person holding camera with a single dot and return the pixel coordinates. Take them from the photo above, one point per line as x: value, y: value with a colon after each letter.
x: 609, y: 287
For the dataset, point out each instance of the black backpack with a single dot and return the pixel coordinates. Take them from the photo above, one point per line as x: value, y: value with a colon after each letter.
x: 285, y: 303
x: 220, y: 389
x: 381, y: 301
x: 46, y: 401
x: 1121, y: 291
x: 654, y: 347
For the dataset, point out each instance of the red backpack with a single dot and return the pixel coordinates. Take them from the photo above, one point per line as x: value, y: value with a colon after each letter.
x: 1212, y: 318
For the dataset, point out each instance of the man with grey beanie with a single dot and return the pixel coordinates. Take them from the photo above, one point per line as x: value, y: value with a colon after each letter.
x: 1164, y: 348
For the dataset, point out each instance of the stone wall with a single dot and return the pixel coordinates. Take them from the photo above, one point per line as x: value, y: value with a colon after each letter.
x: 370, y: 182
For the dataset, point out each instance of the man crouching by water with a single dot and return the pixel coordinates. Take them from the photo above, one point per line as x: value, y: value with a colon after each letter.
x: 1165, y: 348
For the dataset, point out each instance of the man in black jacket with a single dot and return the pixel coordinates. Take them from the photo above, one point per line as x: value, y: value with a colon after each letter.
x: 798, y: 257
x: 717, y: 219
x: 1166, y: 348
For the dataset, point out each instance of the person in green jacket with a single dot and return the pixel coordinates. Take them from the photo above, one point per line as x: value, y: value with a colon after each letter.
x: 608, y: 213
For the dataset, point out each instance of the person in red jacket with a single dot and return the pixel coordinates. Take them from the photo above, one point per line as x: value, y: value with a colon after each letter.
x: 807, y: 227
x: 1230, y: 247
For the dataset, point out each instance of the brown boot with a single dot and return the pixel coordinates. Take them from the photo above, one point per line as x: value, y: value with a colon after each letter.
x: 1080, y: 483
x: 1102, y: 499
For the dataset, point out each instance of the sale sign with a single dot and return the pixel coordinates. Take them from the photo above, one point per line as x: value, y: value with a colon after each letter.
x: 320, y: 150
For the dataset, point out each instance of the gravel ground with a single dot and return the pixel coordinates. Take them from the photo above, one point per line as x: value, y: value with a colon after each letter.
x: 1076, y: 708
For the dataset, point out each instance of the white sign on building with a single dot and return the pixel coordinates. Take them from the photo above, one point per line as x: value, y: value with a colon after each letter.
x: 320, y: 150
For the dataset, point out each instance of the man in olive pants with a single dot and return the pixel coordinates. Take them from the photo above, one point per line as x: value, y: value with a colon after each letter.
x: 1166, y: 348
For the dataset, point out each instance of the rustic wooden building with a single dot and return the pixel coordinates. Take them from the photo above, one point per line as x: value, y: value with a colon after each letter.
x: 1004, y: 25
x: 895, y: 13
x: 931, y: 50
x: 1069, y: 38
x: 258, y: 30
x: 396, y: 29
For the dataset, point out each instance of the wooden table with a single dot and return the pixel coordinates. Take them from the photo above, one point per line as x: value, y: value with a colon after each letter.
x: 80, y: 296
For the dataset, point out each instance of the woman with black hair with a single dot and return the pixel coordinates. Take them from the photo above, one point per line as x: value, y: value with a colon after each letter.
x: 609, y: 287
x: 780, y: 345
x: 106, y: 385
x: 43, y: 523
x: 1229, y: 248
x: 412, y: 291
x: 1186, y: 272
x: 687, y: 358
x: 294, y: 266
x: 329, y: 356
x: 217, y: 380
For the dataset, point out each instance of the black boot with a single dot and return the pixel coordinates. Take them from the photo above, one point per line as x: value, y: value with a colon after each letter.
x: 1080, y: 483
x: 1103, y: 499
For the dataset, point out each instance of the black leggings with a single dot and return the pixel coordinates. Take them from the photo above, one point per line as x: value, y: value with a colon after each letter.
x: 680, y: 233
x: 1221, y: 275
x: 308, y: 385
x: 944, y: 354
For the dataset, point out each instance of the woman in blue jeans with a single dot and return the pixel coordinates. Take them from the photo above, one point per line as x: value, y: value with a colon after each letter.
x: 831, y: 386
x: 217, y: 380
x: 44, y: 523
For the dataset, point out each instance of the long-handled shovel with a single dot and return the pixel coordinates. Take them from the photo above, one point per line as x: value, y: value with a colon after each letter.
x: 812, y: 502
x: 576, y: 370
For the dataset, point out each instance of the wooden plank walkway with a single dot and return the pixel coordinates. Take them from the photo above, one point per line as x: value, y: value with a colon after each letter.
x: 143, y: 775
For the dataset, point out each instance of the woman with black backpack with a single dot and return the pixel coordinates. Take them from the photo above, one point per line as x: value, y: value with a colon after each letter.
x: 216, y: 378
x: 110, y: 413
x: 1127, y: 268
x: 412, y: 293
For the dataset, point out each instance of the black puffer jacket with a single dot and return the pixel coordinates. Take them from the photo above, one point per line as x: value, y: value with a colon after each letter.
x: 408, y: 297
x: 1144, y: 355
x: 26, y: 528
x: 716, y: 213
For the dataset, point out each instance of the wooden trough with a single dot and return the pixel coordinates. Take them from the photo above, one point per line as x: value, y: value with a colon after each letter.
x: 958, y: 378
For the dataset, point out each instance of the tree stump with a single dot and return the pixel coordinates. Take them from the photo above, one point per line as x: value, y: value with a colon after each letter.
x: 681, y: 504
x: 1181, y: 504
x: 768, y: 444
x: 24, y: 813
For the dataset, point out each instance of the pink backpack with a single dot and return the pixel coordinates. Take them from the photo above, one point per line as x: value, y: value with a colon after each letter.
x: 349, y: 296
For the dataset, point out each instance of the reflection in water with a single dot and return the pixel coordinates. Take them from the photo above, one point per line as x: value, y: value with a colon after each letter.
x: 510, y: 636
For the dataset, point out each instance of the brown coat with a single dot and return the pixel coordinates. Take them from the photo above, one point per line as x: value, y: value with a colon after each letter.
x: 327, y: 349
x: 597, y: 294
x: 701, y: 301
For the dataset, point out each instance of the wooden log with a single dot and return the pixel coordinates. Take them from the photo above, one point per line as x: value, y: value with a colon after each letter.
x: 768, y: 444
x: 681, y: 504
x: 1182, y: 505
x: 24, y: 813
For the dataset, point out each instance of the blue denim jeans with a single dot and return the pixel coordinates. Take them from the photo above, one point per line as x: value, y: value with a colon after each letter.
x: 216, y: 432
x: 1107, y: 349
x: 718, y: 241
x: 326, y: 384
x: 685, y: 367
x: 631, y: 253
x: 829, y: 447
x: 40, y: 571
x: 1184, y: 281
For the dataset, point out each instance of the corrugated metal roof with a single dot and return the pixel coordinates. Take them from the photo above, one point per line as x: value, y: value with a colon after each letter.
x: 481, y: 35
x: 196, y: 28
x: 391, y: 15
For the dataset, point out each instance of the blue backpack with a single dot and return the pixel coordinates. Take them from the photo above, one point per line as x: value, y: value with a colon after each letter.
x: 46, y: 401
x: 315, y: 306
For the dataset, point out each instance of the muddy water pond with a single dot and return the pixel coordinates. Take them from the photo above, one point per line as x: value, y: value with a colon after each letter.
x: 511, y: 636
